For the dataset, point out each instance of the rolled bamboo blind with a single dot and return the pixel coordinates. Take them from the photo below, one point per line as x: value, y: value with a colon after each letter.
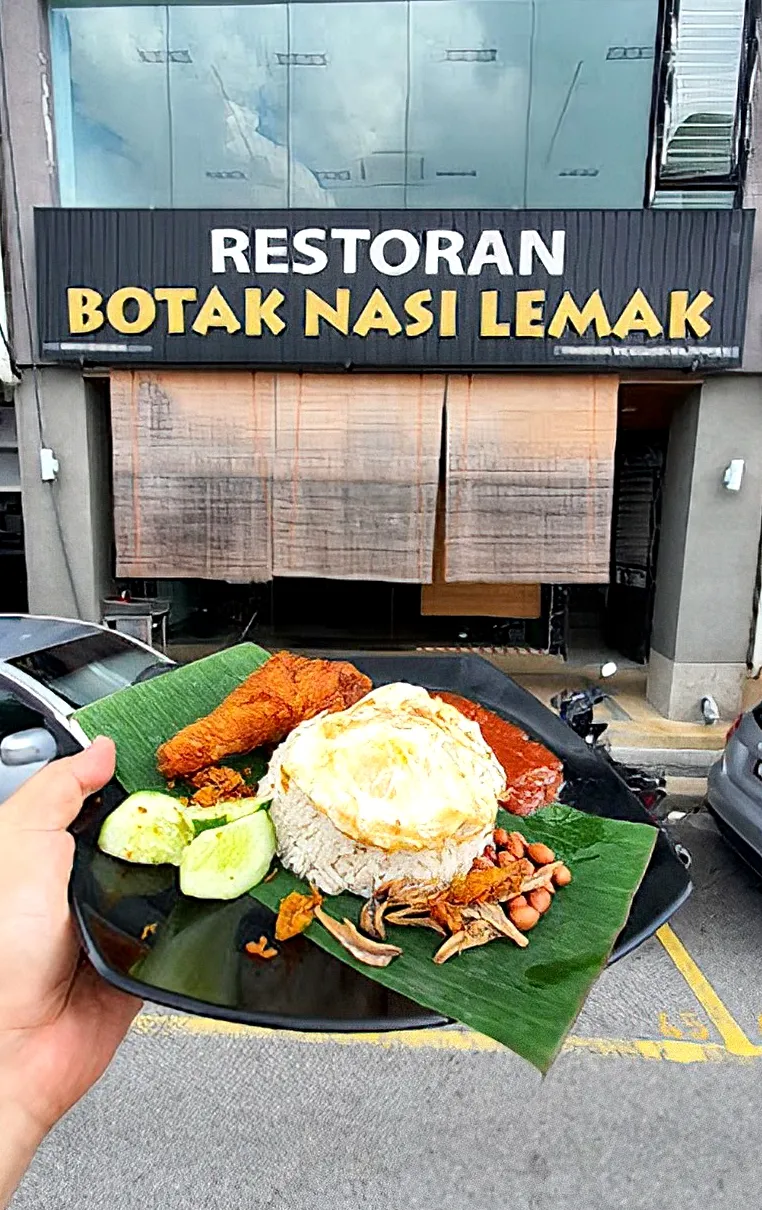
x: 356, y: 475
x: 193, y: 459
x: 529, y: 477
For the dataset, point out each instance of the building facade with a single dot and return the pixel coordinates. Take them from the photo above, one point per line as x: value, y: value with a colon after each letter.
x: 422, y: 323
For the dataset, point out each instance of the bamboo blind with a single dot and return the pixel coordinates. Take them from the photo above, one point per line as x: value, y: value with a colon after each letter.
x: 193, y: 456
x: 241, y: 476
x: 529, y: 477
x: 356, y: 474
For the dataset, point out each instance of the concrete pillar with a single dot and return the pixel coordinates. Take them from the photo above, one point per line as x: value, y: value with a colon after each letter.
x: 29, y: 175
x: 67, y: 523
x: 708, y: 550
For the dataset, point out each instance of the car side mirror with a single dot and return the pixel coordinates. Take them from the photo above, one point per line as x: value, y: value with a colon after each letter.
x: 31, y: 747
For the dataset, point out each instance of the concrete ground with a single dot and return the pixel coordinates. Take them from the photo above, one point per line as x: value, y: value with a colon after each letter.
x: 654, y: 1102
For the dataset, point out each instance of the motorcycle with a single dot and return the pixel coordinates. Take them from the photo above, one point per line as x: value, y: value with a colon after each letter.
x: 576, y: 708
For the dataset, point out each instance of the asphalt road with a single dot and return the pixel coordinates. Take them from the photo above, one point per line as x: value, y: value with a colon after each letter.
x: 654, y: 1103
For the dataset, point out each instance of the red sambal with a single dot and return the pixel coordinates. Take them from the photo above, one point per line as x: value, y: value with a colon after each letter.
x: 534, y: 774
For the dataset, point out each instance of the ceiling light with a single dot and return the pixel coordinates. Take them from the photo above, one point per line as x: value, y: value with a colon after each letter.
x: 630, y: 52
x: 453, y: 172
x: 233, y: 174
x: 160, y: 56
x: 580, y: 172
x: 293, y: 60
x: 339, y: 174
x: 471, y: 56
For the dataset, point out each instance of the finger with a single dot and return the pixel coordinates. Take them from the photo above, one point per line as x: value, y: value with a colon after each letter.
x: 53, y: 797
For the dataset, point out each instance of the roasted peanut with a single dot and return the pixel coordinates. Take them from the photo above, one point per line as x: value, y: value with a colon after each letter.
x: 482, y: 863
x: 518, y: 901
x: 504, y: 858
x: 516, y: 844
x: 525, y: 918
x: 562, y: 876
x: 540, y: 900
x: 500, y: 837
x: 540, y: 854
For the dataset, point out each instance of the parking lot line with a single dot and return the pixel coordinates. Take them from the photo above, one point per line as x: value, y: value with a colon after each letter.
x: 734, y: 1038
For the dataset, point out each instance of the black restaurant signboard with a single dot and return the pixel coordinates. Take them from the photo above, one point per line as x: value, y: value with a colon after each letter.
x: 394, y: 288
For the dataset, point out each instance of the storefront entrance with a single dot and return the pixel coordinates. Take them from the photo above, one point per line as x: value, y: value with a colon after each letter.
x: 614, y: 539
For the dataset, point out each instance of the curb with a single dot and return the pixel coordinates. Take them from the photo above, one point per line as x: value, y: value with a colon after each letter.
x: 674, y: 762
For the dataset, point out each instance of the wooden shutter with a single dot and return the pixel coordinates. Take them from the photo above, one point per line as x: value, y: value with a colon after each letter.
x: 530, y: 474
x: 193, y: 455
x: 356, y: 474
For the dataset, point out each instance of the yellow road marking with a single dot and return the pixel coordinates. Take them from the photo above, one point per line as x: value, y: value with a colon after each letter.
x: 692, y: 1025
x: 167, y: 1024
x: 432, y: 1039
x: 648, y: 1048
x: 736, y: 1045
x: 728, y: 1028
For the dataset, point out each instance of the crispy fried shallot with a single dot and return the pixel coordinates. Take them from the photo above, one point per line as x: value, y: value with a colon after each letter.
x: 215, y: 785
x: 296, y: 913
x: 485, y: 886
x: 260, y: 949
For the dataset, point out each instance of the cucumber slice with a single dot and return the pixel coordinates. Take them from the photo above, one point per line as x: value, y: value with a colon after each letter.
x: 222, y: 863
x: 148, y: 828
x: 202, y: 818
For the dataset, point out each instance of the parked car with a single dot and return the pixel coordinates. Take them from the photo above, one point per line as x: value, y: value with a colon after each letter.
x: 734, y: 794
x: 50, y: 667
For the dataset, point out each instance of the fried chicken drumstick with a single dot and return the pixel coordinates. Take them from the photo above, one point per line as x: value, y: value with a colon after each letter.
x: 263, y: 709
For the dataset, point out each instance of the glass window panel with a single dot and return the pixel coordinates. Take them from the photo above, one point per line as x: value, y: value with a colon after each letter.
x: 347, y: 81
x: 695, y: 199
x: 435, y: 103
x: 228, y: 106
x: 704, y: 88
x: 469, y: 93
x: 592, y: 70
x: 110, y: 80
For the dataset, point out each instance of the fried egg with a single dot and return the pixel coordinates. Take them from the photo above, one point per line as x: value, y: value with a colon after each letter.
x: 399, y: 770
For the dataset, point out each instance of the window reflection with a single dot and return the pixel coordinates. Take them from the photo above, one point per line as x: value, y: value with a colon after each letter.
x: 703, y: 98
x: 417, y: 103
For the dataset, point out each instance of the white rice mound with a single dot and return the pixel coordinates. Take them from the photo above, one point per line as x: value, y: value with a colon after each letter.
x: 310, y: 846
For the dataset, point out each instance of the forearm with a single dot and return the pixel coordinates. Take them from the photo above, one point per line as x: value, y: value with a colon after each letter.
x: 19, y: 1139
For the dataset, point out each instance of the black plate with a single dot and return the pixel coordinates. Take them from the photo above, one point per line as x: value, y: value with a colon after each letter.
x: 194, y: 959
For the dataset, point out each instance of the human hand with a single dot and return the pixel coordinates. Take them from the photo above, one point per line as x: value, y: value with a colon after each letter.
x: 60, y: 1024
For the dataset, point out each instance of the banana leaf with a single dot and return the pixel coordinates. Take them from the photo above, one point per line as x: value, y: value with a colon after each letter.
x: 526, y: 999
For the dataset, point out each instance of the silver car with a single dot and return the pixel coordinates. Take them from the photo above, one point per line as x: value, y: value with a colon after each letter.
x: 49, y: 668
x: 734, y: 794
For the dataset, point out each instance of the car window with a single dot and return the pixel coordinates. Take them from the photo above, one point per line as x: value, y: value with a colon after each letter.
x: 90, y: 668
x: 15, y: 716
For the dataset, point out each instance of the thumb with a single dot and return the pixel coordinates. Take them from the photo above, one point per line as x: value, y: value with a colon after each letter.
x: 52, y: 799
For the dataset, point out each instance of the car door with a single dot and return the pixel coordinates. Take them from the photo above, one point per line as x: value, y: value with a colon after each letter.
x: 30, y: 736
